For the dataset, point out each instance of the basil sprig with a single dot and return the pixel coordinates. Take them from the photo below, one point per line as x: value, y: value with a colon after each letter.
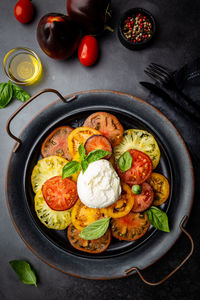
x: 158, y: 218
x: 9, y: 91
x: 95, y: 230
x: 74, y: 166
x: 125, y: 161
x: 6, y: 93
x: 24, y: 271
x: 19, y: 93
x: 70, y: 168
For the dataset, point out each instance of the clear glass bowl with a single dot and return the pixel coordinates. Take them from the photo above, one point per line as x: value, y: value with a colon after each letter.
x: 22, y: 66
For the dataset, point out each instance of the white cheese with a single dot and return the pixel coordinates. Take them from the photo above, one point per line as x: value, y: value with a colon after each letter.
x: 100, y: 185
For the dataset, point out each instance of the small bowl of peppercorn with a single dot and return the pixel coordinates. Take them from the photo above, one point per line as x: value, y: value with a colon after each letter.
x: 136, y: 28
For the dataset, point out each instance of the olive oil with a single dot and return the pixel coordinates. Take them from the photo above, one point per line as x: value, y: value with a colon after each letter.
x: 24, y: 68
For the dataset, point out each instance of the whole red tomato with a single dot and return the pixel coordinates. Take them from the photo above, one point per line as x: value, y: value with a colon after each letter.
x: 24, y: 11
x: 88, y: 50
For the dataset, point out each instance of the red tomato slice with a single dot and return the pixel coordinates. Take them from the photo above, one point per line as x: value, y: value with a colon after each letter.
x: 140, y: 170
x: 60, y: 194
x: 98, y: 142
x: 57, y: 143
x: 143, y: 200
x: 108, y: 125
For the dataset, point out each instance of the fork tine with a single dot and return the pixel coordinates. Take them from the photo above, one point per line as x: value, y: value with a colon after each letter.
x: 154, y: 76
x: 165, y: 75
x: 161, y: 67
x: 157, y: 73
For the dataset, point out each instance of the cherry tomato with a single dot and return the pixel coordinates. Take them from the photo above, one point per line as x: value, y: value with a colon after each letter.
x: 143, y: 200
x: 60, y: 194
x: 24, y: 11
x: 140, y: 170
x: 88, y: 50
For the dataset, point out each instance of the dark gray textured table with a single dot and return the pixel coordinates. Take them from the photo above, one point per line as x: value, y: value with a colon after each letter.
x: 118, y: 69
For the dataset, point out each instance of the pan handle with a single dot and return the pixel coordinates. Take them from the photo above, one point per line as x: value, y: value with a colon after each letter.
x: 25, y: 104
x: 176, y: 269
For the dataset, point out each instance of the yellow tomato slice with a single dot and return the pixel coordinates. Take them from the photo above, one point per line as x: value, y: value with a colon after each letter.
x: 123, y: 206
x: 45, y: 169
x: 82, y: 215
x: 160, y: 187
x: 79, y: 136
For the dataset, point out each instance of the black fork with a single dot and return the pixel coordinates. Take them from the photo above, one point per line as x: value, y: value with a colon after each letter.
x: 164, y: 77
x: 159, y: 73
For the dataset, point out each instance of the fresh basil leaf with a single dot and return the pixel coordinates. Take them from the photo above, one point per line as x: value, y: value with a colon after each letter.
x: 82, y: 152
x: 24, y: 271
x: 95, y: 230
x: 70, y: 168
x: 6, y: 93
x: 158, y: 218
x: 125, y: 161
x: 84, y: 165
x: 96, y: 155
x: 20, y: 94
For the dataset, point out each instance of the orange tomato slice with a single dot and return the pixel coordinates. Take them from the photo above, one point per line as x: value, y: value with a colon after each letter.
x: 123, y: 206
x: 79, y: 136
x: 82, y: 215
x: 160, y: 186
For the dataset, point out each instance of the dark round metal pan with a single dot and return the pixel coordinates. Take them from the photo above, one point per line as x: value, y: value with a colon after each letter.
x: 52, y: 246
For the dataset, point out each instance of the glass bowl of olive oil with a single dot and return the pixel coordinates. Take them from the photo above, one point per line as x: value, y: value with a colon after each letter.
x: 22, y: 66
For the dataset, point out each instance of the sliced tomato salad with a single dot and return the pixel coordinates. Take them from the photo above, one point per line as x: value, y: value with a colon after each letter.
x: 140, y: 170
x: 57, y: 202
x: 60, y: 194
